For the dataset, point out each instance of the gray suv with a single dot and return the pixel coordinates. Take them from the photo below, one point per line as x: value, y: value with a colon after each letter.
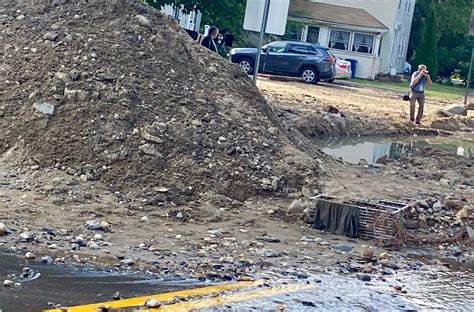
x: 289, y: 58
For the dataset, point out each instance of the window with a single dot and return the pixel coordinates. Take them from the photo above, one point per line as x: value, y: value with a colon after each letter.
x: 339, y: 40
x: 313, y: 34
x: 363, y: 43
x: 400, y: 4
x: 302, y: 49
x: 276, y: 47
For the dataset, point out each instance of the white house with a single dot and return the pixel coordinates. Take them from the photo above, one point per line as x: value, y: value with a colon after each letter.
x: 374, y: 32
x: 190, y: 21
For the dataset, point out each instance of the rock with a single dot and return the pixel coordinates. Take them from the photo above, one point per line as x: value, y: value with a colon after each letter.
x: 464, y: 213
x: 454, y: 109
x: 145, y: 219
x: 306, y: 192
x: 30, y: 256
x: 117, y: 296
x: 270, y: 253
x: 44, y: 108
x: 149, y: 149
x: 143, y: 21
x: 331, y: 109
x: 423, y: 204
x: 438, y: 206
x: 127, y: 262
x: 363, y: 163
x: 468, y: 182
x: 470, y: 232
x: 151, y: 138
x: 297, y: 207
x: 153, y: 303
x: 3, y: 229
x: 384, y: 256
x: 273, y: 130
x: 397, y: 287
x: 53, y: 246
x: 47, y: 260
x: 268, y: 239
x: 364, y: 277
x: 8, y: 283
x: 51, y: 36
x: 26, y: 237
x: 343, y: 247
x: 95, y: 225
x: 470, y: 106
x: 367, y: 254
x: 98, y: 237
x: 93, y: 246
x: 456, y: 251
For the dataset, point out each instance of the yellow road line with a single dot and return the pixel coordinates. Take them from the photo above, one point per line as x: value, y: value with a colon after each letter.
x: 230, y: 298
x: 140, y: 301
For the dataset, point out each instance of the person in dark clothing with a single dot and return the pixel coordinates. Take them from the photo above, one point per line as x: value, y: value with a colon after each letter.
x: 209, y: 41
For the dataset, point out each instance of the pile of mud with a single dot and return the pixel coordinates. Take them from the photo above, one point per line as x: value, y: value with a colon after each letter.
x: 119, y: 93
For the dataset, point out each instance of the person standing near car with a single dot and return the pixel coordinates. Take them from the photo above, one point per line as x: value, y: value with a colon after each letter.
x: 419, y: 80
x: 209, y: 41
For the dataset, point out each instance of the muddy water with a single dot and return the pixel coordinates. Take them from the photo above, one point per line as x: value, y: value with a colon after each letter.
x: 73, y: 285
x: 432, y: 288
x: 354, y: 150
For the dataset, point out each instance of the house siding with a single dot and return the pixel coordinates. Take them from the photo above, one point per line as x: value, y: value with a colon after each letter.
x: 394, y: 43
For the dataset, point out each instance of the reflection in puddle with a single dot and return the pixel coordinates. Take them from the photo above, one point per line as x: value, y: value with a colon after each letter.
x: 354, y: 151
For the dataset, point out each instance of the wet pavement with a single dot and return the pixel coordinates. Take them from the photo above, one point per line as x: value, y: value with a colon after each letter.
x: 431, y: 288
x: 354, y: 150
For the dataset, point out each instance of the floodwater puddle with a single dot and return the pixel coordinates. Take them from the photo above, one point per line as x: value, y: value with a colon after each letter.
x: 370, y: 150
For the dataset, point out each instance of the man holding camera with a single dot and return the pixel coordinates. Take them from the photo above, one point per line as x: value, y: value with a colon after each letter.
x: 418, y: 83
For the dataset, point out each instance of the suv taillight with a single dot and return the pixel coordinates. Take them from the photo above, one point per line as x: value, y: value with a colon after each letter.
x: 329, y: 59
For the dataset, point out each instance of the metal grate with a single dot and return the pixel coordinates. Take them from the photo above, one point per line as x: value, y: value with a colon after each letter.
x: 376, y: 219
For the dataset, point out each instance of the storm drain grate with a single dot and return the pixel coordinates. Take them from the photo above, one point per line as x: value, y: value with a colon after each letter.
x: 377, y: 220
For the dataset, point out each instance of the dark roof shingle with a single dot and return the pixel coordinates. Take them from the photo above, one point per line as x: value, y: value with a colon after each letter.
x: 336, y: 14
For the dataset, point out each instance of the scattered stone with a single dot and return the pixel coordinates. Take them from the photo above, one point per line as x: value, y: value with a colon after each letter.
x: 153, y: 303
x: 127, y: 262
x: 364, y: 277
x: 456, y: 251
x: 143, y: 21
x: 47, y: 260
x: 51, y: 36
x: 30, y: 256
x: 53, y: 246
x: 95, y: 225
x: 145, y: 219
x: 151, y: 150
x: 8, y: 283
x: 3, y: 229
x: 397, y: 287
x: 44, y: 108
x: 26, y: 237
x: 117, y: 296
x: 297, y: 207
x: 268, y: 239
x: 343, y: 247
x: 93, y: 246
x: 384, y: 256
x: 438, y: 206
x: 367, y: 254
x: 453, y: 109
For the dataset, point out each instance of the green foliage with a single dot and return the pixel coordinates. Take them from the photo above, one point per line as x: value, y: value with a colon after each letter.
x: 452, y: 21
x: 427, y: 50
x: 225, y: 14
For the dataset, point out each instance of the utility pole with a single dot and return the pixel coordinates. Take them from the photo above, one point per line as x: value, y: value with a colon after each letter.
x: 260, y: 42
x: 471, y: 33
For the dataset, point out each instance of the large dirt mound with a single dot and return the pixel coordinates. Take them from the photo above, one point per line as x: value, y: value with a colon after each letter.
x: 118, y: 92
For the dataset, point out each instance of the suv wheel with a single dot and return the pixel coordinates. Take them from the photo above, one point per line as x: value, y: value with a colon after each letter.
x: 246, y: 65
x: 310, y: 75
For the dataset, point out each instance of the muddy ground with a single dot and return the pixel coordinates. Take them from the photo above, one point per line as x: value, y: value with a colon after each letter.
x: 47, y: 210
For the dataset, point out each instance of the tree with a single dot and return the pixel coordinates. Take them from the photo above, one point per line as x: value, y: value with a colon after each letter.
x: 225, y: 14
x: 427, y: 51
x: 453, y: 19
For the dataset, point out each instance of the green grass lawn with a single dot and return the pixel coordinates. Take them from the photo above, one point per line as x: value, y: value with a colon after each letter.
x: 436, y: 90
